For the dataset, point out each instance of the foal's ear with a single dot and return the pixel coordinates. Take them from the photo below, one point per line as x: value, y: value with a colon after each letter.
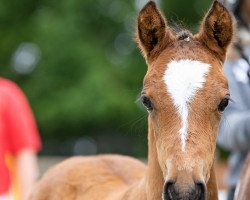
x: 217, y: 30
x: 151, y: 30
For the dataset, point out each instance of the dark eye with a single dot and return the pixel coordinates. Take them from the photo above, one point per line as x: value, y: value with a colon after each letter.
x: 147, y: 103
x: 223, y: 104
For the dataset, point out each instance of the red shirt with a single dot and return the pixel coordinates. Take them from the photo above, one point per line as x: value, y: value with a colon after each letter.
x: 18, y: 129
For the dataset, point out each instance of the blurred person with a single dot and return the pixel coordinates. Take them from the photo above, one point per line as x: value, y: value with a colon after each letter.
x: 19, y: 143
x: 234, y: 132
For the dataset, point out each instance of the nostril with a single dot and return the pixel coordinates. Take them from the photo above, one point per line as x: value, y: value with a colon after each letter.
x: 200, y: 189
x: 168, y: 192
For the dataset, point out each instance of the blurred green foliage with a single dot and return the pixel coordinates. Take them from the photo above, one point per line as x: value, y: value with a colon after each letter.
x: 90, y: 72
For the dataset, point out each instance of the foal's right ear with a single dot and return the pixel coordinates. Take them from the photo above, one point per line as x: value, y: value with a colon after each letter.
x: 151, y: 33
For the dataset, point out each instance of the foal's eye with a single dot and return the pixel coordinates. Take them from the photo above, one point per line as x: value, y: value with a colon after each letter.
x: 147, y: 103
x: 223, y: 104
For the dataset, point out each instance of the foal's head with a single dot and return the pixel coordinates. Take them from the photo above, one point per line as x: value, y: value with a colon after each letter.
x: 185, y: 93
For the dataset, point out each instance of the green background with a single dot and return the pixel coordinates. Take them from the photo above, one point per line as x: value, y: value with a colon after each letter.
x: 85, y: 86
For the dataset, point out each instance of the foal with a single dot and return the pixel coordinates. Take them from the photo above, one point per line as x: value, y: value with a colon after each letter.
x: 184, y: 92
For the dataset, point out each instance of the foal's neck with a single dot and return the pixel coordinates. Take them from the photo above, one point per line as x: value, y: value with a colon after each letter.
x: 150, y: 187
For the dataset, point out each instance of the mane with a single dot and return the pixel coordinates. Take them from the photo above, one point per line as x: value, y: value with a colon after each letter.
x: 183, y: 35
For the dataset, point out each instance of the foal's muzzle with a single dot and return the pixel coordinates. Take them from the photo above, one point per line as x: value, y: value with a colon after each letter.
x: 173, y: 191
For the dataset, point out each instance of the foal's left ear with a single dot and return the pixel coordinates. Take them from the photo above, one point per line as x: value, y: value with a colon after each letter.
x: 152, y: 32
x: 217, y: 30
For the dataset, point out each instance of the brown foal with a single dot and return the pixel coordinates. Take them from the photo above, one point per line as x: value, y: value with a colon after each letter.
x: 185, y: 93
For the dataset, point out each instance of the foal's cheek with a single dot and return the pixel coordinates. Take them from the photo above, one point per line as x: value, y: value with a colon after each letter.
x: 215, y: 123
x: 156, y: 124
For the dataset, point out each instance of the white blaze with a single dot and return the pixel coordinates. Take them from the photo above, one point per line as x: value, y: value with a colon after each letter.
x: 183, y: 78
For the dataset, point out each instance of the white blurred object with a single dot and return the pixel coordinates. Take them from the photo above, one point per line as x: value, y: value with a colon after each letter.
x: 25, y: 58
x: 3, y: 197
x: 222, y: 195
x: 85, y: 146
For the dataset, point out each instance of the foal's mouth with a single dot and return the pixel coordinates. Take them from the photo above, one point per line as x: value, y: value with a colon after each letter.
x: 173, y: 191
